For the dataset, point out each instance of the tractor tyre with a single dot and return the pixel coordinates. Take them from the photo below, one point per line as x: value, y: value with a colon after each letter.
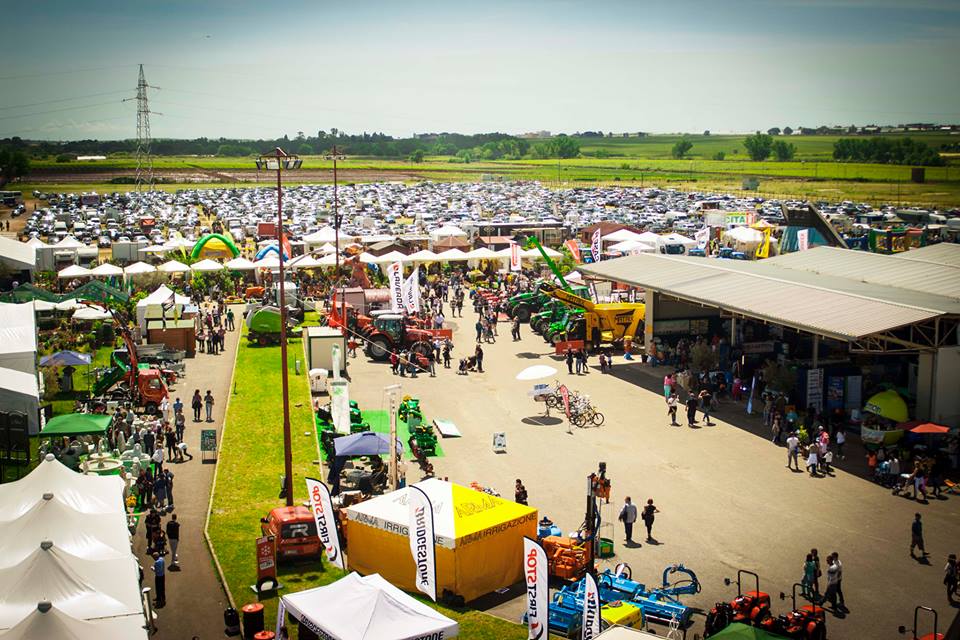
x: 522, y: 312
x: 422, y: 348
x: 379, y: 348
x: 150, y: 408
x: 263, y: 340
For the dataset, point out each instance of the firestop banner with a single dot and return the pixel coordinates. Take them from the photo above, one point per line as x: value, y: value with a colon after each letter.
x: 514, y: 256
x: 411, y: 292
x: 538, y: 591
x: 591, y: 609
x: 324, y: 516
x: 422, y: 541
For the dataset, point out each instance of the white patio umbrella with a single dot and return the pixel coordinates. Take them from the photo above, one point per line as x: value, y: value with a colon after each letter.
x: 206, y: 265
x: 139, y: 268
x: 74, y: 271
x: 106, y: 270
x: 240, y: 264
x: 173, y: 266
x: 536, y: 372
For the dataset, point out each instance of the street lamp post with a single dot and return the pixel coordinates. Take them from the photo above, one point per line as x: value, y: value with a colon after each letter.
x: 334, y: 155
x: 279, y: 161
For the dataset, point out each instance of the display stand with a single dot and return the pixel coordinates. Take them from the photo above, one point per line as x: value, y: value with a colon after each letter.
x: 605, y: 534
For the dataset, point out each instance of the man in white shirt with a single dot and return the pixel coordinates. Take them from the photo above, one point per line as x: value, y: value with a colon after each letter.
x: 793, y: 451
x: 628, y: 515
x: 833, y: 578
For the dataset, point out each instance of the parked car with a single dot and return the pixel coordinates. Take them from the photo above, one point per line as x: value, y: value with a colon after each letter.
x: 294, y: 531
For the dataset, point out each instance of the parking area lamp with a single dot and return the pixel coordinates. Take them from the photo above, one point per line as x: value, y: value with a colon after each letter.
x: 279, y: 161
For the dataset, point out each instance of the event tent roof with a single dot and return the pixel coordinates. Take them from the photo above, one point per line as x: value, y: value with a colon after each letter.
x: 106, y: 270
x: 238, y: 264
x: 424, y: 255
x: 368, y: 608
x: 88, y: 494
x: 451, y: 255
x: 138, y: 268
x: 173, y: 266
x: 458, y: 511
x: 160, y: 295
x: 44, y: 622
x: 18, y: 328
x: 271, y: 261
x: 19, y: 382
x: 447, y: 231
x: 206, y: 265
x: 18, y: 255
x: 74, y: 271
x: 326, y: 234
x: 65, y: 359
x: 91, y: 313
x: 483, y: 253
x: 392, y: 256
x: 69, y: 242
x: 621, y: 235
x: 76, y: 424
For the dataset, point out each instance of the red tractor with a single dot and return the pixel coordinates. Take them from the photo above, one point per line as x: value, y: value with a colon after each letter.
x: 389, y: 333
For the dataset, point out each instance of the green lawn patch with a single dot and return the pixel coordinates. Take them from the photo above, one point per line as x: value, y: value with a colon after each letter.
x: 248, y: 480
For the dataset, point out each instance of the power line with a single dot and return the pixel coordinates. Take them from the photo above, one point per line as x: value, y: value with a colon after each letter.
x: 90, y: 95
x: 63, y: 73
x: 78, y: 108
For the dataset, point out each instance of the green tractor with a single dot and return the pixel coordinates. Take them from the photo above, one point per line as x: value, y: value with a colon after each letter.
x: 263, y: 325
x: 422, y: 438
x: 569, y: 326
x: 409, y: 411
x: 524, y: 305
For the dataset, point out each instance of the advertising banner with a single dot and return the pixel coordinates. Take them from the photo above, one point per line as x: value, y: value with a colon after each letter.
x: 803, y: 239
x: 574, y: 250
x: 565, y: 394
x: 340, y: 405
x: 702, y: 237
x: 326, y: 519
x: 422, y: 541
x: 815, y: 388
x: 538, y: 596
x: 411, y: 292
x: 266, y: 561
x: 395, y: 280
x: 591, y: 609
x: 514, y: 256
x: 595, y: 245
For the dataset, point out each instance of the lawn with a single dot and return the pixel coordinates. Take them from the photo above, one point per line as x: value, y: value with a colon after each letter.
x: 248, y: 479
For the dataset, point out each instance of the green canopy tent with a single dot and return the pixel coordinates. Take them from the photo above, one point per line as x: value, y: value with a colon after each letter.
x: 740, y: 631
x: 76, y: 424
x: 97, y: 291
x: 26, y: 292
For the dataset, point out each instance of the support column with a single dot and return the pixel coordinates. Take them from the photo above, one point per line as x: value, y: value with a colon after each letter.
x: 733, y: 331
x: 648, y: 313
x: 816, y: 351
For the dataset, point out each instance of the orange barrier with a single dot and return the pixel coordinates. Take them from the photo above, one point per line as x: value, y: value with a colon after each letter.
x: 561, y: 347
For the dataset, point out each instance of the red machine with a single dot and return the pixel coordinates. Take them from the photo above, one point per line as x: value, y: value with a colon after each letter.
x: 294, y: 531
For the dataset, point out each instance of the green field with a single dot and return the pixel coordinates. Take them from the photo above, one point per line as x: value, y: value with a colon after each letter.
x: 248, y: 478
x: 625, y: 161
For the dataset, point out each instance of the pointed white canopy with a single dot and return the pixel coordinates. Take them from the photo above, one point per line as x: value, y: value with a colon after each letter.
x: 620, y: 235
x: 69, y: 242
x: 138, y: 268
x: 74, y: 271
x: 367, y: 258
x: 270, y: 261
x: 392, y: 256
x: 91, y: 313
x: 154, y: 248
x: 483, y: 253
x: 424, y: 255
x: 448, y: 231
x: 206, y: 265
x: 173, y: 266
x: 36, y: 242
x: 106, y: 270
x: 84, y: 494
x: 239, y: 264
x: 44, y: 622
x: 326, y: 234
x: 328, y: 248
x: 304, y: 262
x: 452, y: 255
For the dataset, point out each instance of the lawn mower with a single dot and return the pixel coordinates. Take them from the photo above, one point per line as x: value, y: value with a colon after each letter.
x: 913, y: 632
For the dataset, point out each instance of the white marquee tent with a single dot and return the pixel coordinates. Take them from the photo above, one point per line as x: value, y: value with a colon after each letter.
x: 46, y: 621
x: 150, y: 306
x: 138, y: 268
x: 84, y: 494
x: 447, y: 231
x: 74, y: 271
x: 238, y: 264
x: 206, y: 265
x: 173, y: 266
x: 367, y: 608
x: 106, y: 270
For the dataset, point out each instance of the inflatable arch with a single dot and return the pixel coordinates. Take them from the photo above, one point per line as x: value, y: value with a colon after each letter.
x: 215, y: 245
x: 270, y: 248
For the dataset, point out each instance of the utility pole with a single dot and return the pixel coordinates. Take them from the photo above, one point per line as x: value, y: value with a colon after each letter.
x: 144, y: 176
x: 334, y: 156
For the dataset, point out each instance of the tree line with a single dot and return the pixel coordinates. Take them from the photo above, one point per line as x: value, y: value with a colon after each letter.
x: 886, y: 151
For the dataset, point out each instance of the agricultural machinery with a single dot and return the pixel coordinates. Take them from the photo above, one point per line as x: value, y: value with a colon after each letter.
x: 600, y: 323
x: 328, y: 433
x: 422, y: 441
x: 928, y: 636
x: 389, y: 333
x: 263, y: 325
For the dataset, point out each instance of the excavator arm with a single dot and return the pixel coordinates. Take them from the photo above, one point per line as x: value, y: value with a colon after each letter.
x: 566, y: 296
x: 550, y: 263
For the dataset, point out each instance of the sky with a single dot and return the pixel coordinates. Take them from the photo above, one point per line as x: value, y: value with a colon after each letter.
x: 250, y: 70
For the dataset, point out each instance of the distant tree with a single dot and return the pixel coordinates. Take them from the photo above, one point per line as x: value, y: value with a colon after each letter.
x: 787, y: 131
x: 66, y: 157
x: 305, y: 149
x: 566, y: 147
x: 333, y: 132
x: 681, y: 148
x: 13, y: 164
x: 775, y: 131
x: 706, y: 132
x: 784, y: 150
x: 719, y: 155
x: 233, y: 150
x: 416, y: 156
x: 758, y: 146
x: 542, y: 150
x: 300, y: 136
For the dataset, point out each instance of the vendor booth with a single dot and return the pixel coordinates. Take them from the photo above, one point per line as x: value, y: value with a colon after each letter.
x: 479, y: 538
x: 77, y: 424
x: 359, y: 608
x: 151, y: 307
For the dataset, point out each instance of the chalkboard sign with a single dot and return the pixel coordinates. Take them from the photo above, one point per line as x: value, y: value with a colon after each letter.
x: 208, y: 441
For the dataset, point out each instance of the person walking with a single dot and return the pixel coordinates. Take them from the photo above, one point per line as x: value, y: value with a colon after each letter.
x: 793, y: 452
x: 841, y: 439
x: 691, y: 410
x: 648, y: 516
x: 159, y: 580
x: 950, y: 576
x: 177, y: 406
x: 706, y: 398
x: 515, y: 330
x: 833, y: 573
x: 672, y: 409
x: 173, y: 538
x: 160, y: 490
x: 816, y: 574
x: 520, y: 493
x: 569, y: 357
x: 196, y: 404
x: 208, y: 403
x: 479, y: 356
x: 809, y: 578
x: 230, y: 325
x: 432, y: 357
x: 812, y: 460
x: 479, y: 328
x: 169, y: 477
x: 916, y: 537
x: 628, y: 515
x: 776, y: 429
x: 836, y: 560
x: 179, y: 424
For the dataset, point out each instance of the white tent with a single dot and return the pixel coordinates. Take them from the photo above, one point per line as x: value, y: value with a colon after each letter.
x: 74, y: 271
x: 206, y: 265
x: 69, y: 242
x: 367, y: 608
x: 328, y: 248
x: 367, y: 258
x: 106, y: 270
x: 19, y: 255
x: 138, y: 268
x: 239, y: 264
x: 452, y: 255
x: 173, y: 266
x: 534, y: 254
x: 43, y: 305
x: 483, y: 253
x: 392, y: 256
x: 150, y: 306
x: 631, y: 246
x: 91, y: 313
x: 650, y: 237
x: 81, y: 588
x: 620, y: 235
x: 178, y: 243
x: 321, y: 236
x: 328, y: 260
x: 20, y: 392
x: 18, y: 337
x: 447, y: 231
x: 91, y: 494
x: 676, y: 238
x: 70, y: 304
x: 50, y: 622
x: 302, y: 262
x: 34, y: 241
x: 154, y: 248
x: 271, y: 261
x: 424, y: 255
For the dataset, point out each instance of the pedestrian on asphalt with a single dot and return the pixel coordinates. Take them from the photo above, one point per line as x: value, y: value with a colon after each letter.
x: 648, y: 516
x: 705, y: 399
x: 173, y: 537
x: 179, y: 424
x: 916, y: 536
x: 169, y: 476
x: 208, y: 403
x: 479, y: 328
x: 177, y: 406
x: 577, y: 362
x: 833, y: 572
x: 230, y: 325
x: 808, y: 581
x: 950, y: 574
x: 151, y: 522
x: 158, y: 460
x: 812, y: 460
x: 479, y: 356
x: 159, y: 580
x: 196, y: 404
x: 582, y: 361
x: 672, y: 409
x: 839, y: 565
x: 841, y: 439
x: 668, y: 382
x: 520, y: 493
x: 776, y: 429
x: 691, y: 410
x: 816, y: 574
x: 628, y: 515
x: 515, y: 329
x: 149, y: 440
x: 793, y: 452
x: 432, y: 357
x: 170, y: 439
x: 570, y: 361
x: 160, y: 491
x: 446, y: 354
x: 394, y: 361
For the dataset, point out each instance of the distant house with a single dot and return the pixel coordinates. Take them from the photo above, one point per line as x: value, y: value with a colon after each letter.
x: 381, y: 248
x: 606, y: 228
x: 494, y: 243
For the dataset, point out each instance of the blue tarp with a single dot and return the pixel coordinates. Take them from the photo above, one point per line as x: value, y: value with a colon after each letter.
x: 65, y: 359
x: 367, y: 443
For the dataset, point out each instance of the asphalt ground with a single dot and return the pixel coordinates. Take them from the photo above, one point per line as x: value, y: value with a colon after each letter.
x: 726, y: 499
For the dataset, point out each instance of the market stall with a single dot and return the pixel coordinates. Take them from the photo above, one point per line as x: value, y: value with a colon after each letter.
x: 479, y: 538
x: 365, y: 608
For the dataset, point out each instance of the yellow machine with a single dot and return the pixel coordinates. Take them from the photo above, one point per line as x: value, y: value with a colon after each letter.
x: 622, y: 614
x: 601, y: 323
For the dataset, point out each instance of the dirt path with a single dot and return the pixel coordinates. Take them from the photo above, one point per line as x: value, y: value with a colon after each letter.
x: 195, y: 598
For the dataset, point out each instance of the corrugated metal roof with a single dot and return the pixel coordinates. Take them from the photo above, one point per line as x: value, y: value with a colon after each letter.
x: 938, y: 279
x: 784, y: 296
x: 945, y: 253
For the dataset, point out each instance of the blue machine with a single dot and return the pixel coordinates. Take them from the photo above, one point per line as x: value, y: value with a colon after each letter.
x: 565, y: 613
x: 697, y: 252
